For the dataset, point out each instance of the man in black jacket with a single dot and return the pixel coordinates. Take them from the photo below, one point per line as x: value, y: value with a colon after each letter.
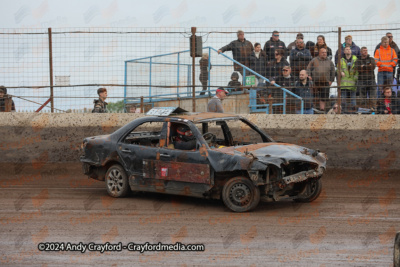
x: 304, y: 90
x: 287, y: 81
x: 272, y: 44
x: 365, y: 65
x: 241, y: 50
x: 299, y: 57
x: 388, y: 103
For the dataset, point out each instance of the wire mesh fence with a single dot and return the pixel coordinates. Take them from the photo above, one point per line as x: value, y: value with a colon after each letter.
x: 146, y: 66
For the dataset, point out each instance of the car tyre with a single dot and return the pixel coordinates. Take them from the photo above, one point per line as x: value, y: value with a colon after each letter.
x: 239, y: 194
x: 311, y: 191
x: 396, y: 251
x: 117, y: 182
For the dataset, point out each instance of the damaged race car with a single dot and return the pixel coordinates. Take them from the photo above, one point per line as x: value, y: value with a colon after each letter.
x: 205, y: 155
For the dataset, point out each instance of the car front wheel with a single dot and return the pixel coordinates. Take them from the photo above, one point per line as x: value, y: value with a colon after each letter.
x: 311, y: 191
x: 240, y: 194
x: 117, y: 183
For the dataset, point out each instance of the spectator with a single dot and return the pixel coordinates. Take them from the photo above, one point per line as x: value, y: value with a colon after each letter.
x: 335, y: 109
x: 204, y: 72
x: 322, y: 72
x: 387, y: 104
x: 304, y: 90
x: 355, y: 50
x: 392, y: 44
x: 258, y: 61
x: 241, y: 50
x: 349, y: 74
x: 386, y: 60
x: 100, y: 105
x: 292, y: 45
x: 6, y: 102
x: 273, y: 44
x: 215, y: 104
x: 314, y: 50
x: 365, y: 66
x: 299, y: 57
x: 274, y: 67
x: 234, y: 84
x: 288, y: 82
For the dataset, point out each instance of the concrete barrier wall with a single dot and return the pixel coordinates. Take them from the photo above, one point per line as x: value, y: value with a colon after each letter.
x: 351, y: 141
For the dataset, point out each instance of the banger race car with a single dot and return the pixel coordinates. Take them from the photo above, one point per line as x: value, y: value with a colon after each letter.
x: 229, y: 158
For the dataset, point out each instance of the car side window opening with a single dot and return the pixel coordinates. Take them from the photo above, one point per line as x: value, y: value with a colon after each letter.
x: 233, y: 133
x: 146, y: 134
x: 180, y: 136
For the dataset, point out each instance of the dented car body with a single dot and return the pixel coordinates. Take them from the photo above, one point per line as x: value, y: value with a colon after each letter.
x: 232, y: 159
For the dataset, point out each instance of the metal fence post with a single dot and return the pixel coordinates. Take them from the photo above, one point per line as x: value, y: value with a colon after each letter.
x: 150, y: 79
x: 339, y: 73
x: 193, y: 68
x: 51, y: 70
x: 177, y: 79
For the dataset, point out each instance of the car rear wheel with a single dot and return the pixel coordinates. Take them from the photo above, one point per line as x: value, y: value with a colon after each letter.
x: 240, y: 194
x: 396, y: 251
x: 312, y: 190
x: 117, y: 183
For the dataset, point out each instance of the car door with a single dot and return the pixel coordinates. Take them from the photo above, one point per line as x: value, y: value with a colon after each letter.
x: 140, y: 144
x: 186, y: 166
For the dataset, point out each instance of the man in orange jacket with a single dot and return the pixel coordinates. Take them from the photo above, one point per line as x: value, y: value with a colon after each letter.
x: 386, y: 60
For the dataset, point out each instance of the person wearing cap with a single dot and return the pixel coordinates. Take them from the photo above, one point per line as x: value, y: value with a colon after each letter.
x: 6, y: 102
x: 287, y: 81
x: 292, y: 45
x: 215, y: 104
x: 355, y: 50
x: 100, y: 105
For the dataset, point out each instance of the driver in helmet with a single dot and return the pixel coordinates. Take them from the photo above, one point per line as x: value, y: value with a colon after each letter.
x: 184, y: 139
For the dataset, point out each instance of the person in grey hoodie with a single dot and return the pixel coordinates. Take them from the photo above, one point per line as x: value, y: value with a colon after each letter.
x: 322, y: 71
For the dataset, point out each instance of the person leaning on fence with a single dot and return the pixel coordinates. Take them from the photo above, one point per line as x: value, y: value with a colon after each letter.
x: 314, y: 50
x: 299, y: 57
x: 386, y: 60
x: 215, y: 103
x: 303, y: 88
x: 388, y: 104
x: 258, y: 61
x: 287, y: 81
x: 273, y: 44
x: 100, y: 105
x: 355, y: 50
x: 204, y: 72
x: 292, y: 45
x: 322, y: 72
x: 349, y: 77
x: 275, y: 66
x: 6, y: 102
x: 241, y: 50
x: 366, y: 84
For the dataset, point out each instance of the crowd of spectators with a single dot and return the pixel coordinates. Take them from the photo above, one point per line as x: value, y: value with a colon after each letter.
x: 308, y: 70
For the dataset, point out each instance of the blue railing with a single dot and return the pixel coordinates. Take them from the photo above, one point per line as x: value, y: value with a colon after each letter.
x: 254, y: 107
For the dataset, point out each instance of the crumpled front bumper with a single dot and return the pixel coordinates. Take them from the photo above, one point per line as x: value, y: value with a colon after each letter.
x: 304, y: 175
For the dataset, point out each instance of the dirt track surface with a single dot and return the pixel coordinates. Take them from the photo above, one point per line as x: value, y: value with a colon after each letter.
x: 353, y: 223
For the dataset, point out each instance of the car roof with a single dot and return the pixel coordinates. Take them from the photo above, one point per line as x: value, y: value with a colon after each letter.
x: 206, y: 116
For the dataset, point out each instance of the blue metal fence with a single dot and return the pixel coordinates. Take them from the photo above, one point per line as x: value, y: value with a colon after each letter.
x: 254, y: 107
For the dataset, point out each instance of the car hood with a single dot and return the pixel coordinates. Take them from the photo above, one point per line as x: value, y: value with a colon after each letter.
x: 277, y: 153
